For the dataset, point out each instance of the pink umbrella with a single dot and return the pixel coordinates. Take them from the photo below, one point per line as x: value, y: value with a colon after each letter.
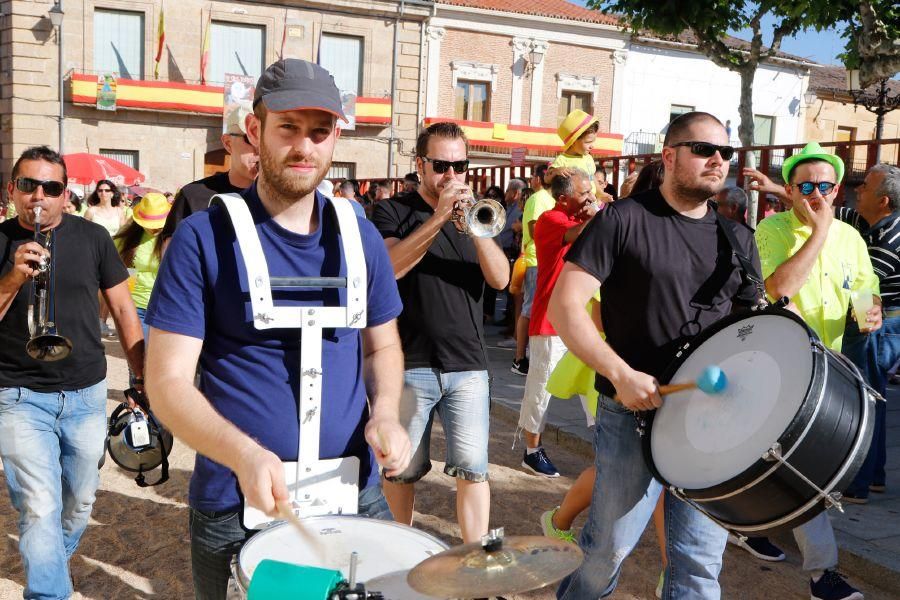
x: 88, y: 169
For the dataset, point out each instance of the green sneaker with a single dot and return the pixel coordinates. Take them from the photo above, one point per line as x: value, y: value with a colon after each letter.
x: 550, y: 531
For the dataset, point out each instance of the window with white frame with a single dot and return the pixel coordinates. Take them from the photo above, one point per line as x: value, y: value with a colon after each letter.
x: 677, y: 110
x: 128, y: 157
x: 341, y: 170
x: 236, y: 49
x: 342, y: 56
x: 472, y: 101
x: 763, y: 130
x: 571, y: 100
x: 119, y: 43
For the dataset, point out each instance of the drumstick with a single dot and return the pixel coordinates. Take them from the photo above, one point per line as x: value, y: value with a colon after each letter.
x: 712, y: 380
x: 287, y: 513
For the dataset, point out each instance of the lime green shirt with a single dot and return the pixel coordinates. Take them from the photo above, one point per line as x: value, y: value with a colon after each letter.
x: 537, y: 203
x: 585, y: 162
x: 146, y: 266
x: 842, y: 266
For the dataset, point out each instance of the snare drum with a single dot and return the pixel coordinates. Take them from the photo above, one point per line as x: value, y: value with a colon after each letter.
x: 386, y: 551
x: 787, y: 435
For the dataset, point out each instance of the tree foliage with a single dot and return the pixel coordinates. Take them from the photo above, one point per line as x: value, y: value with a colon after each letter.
x: 873, y: 38
x: 709, y: 20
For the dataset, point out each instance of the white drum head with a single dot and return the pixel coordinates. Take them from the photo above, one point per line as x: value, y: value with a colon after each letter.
x: 699, y: 440
x: 386, y: 551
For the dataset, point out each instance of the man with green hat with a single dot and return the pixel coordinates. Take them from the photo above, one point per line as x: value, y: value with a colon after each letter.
x: 818, y: 263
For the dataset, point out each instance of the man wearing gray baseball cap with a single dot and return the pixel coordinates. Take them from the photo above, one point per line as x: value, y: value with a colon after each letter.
x: 243, y: 421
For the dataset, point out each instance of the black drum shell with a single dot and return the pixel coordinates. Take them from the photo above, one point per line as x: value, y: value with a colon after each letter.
x: 818, y: 443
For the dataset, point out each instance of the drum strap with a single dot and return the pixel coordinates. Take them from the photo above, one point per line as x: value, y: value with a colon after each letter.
x: 748, y: 273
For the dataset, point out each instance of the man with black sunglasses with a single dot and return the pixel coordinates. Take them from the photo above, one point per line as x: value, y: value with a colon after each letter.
x: 53, y: 414
x: 441, y: 273
x: 242, y: 171
x: 654, y: 254
x: 818, y: 263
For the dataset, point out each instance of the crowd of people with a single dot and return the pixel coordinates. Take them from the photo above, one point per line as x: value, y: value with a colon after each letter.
x: 601, y: 285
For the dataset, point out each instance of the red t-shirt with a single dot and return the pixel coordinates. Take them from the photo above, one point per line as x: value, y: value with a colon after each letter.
x: 549, y: 231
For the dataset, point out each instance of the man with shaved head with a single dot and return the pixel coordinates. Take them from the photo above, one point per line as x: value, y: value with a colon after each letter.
x: 651, y: 255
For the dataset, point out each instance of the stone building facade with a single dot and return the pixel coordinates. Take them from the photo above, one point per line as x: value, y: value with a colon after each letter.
x: 170, y: 127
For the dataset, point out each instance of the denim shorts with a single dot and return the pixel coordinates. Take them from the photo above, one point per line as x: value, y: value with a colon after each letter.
x: 529, y: 288
x: 462, y: 401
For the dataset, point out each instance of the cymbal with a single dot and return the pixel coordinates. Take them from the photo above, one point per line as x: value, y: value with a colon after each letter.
x: 521, y: 563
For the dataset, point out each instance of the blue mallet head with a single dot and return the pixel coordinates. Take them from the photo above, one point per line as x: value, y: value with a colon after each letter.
x: 712, y: 380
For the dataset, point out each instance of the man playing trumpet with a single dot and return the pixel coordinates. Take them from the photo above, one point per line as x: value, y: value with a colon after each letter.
x: 441, y: 273
x: 53, y: 412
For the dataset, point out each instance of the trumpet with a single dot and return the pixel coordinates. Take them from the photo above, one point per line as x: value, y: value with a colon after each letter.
x: 483, y: 219
x: 45, y: 342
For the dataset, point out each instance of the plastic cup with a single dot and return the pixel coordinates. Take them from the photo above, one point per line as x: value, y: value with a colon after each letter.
x: 862, y: 302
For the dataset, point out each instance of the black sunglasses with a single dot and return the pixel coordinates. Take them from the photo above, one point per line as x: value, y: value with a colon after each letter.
x: 51, y: 188
x: 440, y: 166
x: 705, y: 149
x: 806, y: 187
x: 242, y: 135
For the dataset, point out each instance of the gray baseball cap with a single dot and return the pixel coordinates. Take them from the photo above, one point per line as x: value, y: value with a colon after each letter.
x: 294, y: 84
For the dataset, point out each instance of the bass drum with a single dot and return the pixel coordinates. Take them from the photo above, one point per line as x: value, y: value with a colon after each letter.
x: 778, y: 445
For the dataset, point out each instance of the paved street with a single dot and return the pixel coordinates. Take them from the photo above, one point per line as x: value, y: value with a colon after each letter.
x: 136, y: 545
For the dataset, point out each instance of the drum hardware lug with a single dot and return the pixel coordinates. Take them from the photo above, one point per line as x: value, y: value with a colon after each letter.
x: 818, y: 346
x: 310, y: 414
x: 492, y: 540
x: 312, y: 373
x: 834, y: 500
x: 773, y: 453
x: 263, y: 317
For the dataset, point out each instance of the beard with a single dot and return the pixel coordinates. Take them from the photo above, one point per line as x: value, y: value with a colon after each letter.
x: 283, y: 181
x: 694, y: 188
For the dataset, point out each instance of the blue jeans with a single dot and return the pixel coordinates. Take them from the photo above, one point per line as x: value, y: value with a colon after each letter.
x: 529, y: 289
x: 462, y: 399
x: 217, y: 537
x: 51, y: 444
x: 874, y: 354
x: 625, y: 495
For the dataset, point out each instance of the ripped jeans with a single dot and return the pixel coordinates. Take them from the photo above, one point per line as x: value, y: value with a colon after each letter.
x: 625, y: 495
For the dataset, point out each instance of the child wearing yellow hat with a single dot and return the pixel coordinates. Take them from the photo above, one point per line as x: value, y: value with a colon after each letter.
x: 578, y: 132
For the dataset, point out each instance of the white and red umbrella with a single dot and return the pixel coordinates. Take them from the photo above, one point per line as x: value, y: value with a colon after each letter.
x: 88, y: 169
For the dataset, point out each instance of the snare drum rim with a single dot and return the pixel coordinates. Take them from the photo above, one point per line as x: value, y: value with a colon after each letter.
x: 244, y: 584
x: 792, y: 434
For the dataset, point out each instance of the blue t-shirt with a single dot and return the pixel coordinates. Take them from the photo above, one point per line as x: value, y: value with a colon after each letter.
x: 251, y: 376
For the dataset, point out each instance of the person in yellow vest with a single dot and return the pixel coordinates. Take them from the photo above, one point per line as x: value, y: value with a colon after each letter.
x: 818, y: 263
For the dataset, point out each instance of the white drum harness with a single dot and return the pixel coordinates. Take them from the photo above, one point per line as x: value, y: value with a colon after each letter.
x: 317, y: 487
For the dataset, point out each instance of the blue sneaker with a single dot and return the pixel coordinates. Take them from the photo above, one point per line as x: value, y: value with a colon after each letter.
x: 539, y: 463
x: 831, y: 586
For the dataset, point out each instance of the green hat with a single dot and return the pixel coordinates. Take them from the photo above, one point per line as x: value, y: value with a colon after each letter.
x: 813, y: 150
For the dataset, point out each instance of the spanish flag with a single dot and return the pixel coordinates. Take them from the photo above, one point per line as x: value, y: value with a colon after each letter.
x: 161, y: 40
x: 204, y: 56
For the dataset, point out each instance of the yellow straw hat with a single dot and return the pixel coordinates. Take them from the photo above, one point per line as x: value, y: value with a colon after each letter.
x: 151, y: 211
x: 573, y: 126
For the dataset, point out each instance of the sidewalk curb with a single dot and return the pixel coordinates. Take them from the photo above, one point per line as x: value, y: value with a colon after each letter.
x: 856, y: 561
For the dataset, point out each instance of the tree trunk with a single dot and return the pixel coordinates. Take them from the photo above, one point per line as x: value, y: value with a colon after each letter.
x: 745, y: 108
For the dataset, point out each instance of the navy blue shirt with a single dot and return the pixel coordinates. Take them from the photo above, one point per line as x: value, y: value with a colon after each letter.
x: 251, y: 376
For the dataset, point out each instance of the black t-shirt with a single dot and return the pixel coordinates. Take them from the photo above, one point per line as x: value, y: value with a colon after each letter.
x: 664, y: 277
x: 83, y: 261
x: 195, y: 197
x: 440, y: 325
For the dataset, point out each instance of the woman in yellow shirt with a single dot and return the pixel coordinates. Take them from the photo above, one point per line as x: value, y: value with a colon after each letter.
x: 140, y: 247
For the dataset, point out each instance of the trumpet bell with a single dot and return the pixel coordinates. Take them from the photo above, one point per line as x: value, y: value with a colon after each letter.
x: 48, y: 347
x: 485, y: 219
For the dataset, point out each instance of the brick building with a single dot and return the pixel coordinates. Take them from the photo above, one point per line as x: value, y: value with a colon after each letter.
x: 509, y: 71
x: 169, y: 128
